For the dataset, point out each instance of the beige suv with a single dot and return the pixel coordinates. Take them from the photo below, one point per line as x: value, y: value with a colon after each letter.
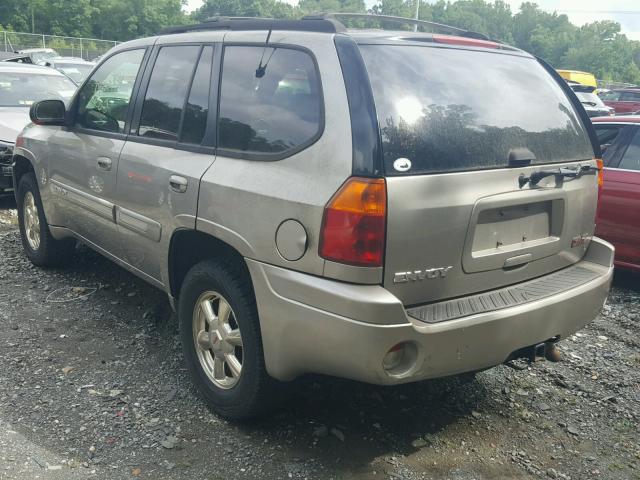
x: 382, y: 206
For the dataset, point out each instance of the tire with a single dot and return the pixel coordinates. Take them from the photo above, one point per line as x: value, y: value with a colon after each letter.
x: 43, y: 251
x: 234, y: 397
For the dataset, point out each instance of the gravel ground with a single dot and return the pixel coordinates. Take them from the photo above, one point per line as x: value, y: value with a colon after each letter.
x: 92, y: 385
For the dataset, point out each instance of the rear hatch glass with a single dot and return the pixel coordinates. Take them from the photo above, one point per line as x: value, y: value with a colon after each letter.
x: 449, y: 109
x: 459, y: 221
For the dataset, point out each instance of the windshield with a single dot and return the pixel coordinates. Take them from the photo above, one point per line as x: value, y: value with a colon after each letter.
x: 40, y: 56
x: 75, y: 71
x: 24, y: 88
x: 448, y: 109
x: 590, y: 99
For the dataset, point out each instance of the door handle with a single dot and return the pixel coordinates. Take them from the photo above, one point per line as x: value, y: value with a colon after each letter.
x: 178, y: 183
x: 104, y: 163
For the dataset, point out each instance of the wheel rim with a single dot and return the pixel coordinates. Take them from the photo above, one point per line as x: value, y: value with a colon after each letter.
x: 31, y: 221
x: 217, y: 339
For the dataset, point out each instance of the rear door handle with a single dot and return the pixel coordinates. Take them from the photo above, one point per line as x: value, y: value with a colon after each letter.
x: 178, y: 183
x: 104, y: 163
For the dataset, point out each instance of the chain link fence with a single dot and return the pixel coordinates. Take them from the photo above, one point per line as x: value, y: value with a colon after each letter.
x: 87, y: 48
x: 611, y: 85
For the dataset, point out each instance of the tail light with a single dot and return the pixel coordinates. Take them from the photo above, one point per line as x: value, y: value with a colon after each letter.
x: 354, y: 223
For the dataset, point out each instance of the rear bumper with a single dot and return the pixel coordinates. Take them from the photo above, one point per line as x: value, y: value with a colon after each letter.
x: 315, y: 325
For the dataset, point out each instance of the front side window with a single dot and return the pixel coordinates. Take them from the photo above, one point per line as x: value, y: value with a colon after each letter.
x: 631, y: 158
x: 166, y: 93
x: 104, y: 100
x: 270, y: 101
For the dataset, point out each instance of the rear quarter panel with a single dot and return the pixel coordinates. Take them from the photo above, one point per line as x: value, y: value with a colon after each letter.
x: 244, y: 201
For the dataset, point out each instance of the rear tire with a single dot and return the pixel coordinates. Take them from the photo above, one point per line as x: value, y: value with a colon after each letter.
x: 221, y: 340
x: 39, y: 245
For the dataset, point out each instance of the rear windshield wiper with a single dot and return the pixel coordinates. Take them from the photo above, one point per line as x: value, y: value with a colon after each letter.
x: 562, y: 172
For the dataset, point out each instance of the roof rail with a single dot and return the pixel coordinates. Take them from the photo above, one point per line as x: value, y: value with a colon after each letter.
x: 441, y: 27
x: 319, y: 24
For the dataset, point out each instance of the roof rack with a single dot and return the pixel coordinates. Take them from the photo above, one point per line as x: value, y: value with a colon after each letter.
x: 320, y: 22
x: 439, y: 27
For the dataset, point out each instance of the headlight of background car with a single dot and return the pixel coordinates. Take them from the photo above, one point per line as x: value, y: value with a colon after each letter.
x: 6, y: 152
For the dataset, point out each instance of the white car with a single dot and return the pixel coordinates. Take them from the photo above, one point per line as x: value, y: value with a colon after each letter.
x: 20, y: 86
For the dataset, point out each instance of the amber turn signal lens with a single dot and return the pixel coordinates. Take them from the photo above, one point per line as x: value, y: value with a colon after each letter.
x: 354, y: 223
x: 600, y: 164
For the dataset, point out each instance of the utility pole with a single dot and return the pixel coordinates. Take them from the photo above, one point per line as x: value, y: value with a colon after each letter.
x: 415, y: 27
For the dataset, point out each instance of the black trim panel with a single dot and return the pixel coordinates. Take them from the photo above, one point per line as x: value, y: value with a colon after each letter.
x: 365, y: 134
x: 508, y: 297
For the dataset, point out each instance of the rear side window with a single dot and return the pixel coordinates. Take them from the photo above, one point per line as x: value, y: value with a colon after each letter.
x: 270, y: 102
x: 631, y: 158
x: 609, y: 139
x: 610, y: 96
x: 630, y: 97
x: 449, y: 109
x: 166, y: 93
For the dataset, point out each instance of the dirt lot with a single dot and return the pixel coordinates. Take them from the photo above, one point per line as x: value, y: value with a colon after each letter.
x: 92, y: 385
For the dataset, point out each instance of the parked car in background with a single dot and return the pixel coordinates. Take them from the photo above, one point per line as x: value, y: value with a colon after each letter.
x: 77, y: 69
x: 21, y: 86
x: 594, y: 106
x: 320, y: 200
x: 618, y: 219
x: 625, y: 100
x: 15, y: 57
x: 39, y: 54
x: 584, y: 78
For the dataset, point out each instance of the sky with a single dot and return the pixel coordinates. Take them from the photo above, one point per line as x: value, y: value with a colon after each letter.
x: 625, y: 12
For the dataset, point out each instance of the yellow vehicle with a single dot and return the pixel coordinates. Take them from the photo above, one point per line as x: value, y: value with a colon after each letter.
x: 585, y: 78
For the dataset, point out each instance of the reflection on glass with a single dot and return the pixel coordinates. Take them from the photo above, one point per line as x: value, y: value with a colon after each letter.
x: 164, y: 100
x: 409, y: 109
x: 268, y: 113
x: 104, y: 100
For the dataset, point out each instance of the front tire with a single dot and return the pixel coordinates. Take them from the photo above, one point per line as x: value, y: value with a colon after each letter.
x: 39, y: 245
x: 220, y: 332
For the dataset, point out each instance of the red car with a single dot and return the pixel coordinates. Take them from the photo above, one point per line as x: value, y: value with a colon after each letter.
x: 618, y: 219
x: 626, y: 100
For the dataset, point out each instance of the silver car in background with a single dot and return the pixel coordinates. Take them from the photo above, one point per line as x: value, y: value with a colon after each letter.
x: 382, y: 206
x: 21, y: 85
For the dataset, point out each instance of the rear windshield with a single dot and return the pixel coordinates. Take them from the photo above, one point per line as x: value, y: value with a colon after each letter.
x: 590, y: 99
x: 448, y: 109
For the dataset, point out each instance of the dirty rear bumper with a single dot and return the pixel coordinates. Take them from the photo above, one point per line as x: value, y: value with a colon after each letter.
x: 315, y: 325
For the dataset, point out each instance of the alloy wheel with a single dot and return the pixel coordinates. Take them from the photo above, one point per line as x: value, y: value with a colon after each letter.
x: 218, y: 340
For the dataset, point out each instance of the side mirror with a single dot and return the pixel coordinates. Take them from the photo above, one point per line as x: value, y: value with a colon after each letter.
x: 48, y: 112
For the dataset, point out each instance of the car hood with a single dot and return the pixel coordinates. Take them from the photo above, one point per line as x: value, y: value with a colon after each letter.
x: 12, y: 121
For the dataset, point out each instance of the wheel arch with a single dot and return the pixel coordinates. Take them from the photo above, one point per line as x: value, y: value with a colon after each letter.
x: 21, y: 166
x: 189, y: 247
